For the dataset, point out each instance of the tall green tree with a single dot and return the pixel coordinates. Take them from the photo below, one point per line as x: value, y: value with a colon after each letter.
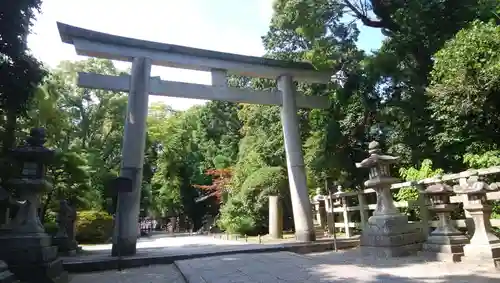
x: 464, y: 92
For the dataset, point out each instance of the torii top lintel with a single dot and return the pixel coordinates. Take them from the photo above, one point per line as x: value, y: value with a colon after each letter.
x: 108, y: 46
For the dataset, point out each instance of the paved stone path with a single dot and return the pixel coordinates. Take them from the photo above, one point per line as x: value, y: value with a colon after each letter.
x: 150, y: 274
x: 348, y: 266
x: 169, y: 243
x: 164, y: 250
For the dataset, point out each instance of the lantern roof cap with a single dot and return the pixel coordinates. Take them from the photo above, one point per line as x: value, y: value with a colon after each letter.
x: 34, y: 148
x: 376, y: 157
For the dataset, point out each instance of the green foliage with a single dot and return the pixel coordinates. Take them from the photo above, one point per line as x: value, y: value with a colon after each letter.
x: 51, y: 228
x: 271, y: 180
x: 236, y: 217
x: 50, y: 223
x: 246, y: 210
x: 487, y: 159
x: 416, y: 174
x: 93, y: 226
x: 465, y: 88
x: 20, y: 72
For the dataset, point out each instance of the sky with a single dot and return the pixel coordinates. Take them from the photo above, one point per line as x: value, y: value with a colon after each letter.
x: 233, y: 26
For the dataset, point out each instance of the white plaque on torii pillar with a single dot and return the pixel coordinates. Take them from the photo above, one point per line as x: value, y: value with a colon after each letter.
x: 143, y: 54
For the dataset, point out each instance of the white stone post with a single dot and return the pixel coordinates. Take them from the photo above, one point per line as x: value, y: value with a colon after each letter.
x: 134, y: 140
x: 302, y: 216
x: 275, y: 217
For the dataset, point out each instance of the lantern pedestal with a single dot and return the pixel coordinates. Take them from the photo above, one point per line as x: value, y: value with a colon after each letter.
x: 484, y: 246
x: 445, y: 242
x: 390, y: 236
x: 65, y: 245
x: 33, y: 258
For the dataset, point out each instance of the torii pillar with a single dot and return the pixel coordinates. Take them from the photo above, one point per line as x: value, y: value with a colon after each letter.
x: 302, y: 214
x: 134, y: 142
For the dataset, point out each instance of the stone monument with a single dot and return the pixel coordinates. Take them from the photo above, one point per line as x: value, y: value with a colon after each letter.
x: 484, y: 245
x: 445, y: 242
x: 65, y: 237
x: 26, y: 248
x: 388, y: 233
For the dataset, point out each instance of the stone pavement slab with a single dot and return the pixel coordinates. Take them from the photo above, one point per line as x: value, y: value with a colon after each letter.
x: 347, y: 266
x: 149, y: 274
x: 162, y: 250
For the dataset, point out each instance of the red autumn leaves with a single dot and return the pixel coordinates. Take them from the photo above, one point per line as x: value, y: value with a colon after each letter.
x: 220, y: 181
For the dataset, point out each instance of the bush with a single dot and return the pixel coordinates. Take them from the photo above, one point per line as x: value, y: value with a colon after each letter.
x: 51, y: 228
x: 50, y: 223
x: 246, y: 212
x: 93, y: 226
x: 236, y: 217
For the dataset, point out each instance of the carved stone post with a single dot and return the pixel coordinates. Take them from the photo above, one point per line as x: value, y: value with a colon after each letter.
x: 445, y: 241
x: 484, y: 245
x: 363, y: 212
x: 27, y: 249
x: 387, y: 233
x: 319, y: 203
x: 329, y: 215
x: 346, y: 217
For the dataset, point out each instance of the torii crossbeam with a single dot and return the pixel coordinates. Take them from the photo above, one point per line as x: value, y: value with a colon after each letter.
x: 143, y: 54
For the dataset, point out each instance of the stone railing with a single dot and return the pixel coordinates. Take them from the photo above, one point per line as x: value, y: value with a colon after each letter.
x: 438, y: 198
x: 365, y: 202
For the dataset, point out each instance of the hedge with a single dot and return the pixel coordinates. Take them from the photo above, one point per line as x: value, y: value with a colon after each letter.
x: 93, y: 227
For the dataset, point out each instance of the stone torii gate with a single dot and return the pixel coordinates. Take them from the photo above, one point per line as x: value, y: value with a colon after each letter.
x: 143, y: 54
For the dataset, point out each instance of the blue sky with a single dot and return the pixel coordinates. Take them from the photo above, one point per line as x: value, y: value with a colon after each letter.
x: 233, y: 26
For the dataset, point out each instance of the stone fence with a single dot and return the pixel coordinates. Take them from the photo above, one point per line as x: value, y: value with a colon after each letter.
x: 352, y: 209
x: 387, y: 232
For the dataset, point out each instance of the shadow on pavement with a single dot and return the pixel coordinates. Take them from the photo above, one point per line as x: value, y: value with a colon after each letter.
x: 328, y: 267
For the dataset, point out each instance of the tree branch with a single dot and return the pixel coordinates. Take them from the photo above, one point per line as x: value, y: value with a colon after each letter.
x: 380, y: 9
x: 363, y: 17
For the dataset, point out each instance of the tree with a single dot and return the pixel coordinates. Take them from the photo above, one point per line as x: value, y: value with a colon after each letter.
x: 20, y: 73
x: 465, y: 89
x: 392, y: 82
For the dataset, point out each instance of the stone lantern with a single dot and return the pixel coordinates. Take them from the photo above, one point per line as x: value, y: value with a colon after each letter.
x: 387, y: 232
x: 484, y: 245
x: 445, y: 241
x: 27, y: 249
x: 30, y: 165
